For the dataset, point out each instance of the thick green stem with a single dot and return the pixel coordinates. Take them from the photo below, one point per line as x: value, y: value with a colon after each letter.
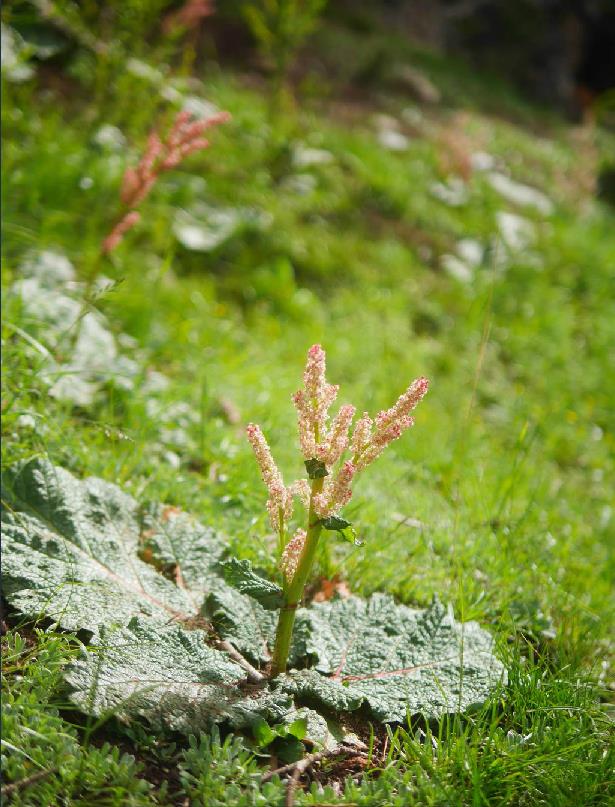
x: 294, y: 591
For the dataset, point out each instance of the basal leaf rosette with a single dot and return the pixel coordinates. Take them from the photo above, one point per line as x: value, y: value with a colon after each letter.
x: 155, y: 593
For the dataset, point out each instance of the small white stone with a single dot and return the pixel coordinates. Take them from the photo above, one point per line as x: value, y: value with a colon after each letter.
x: 173, y: 459
x: 304, y: 156
x: 456, y: 268
x: 26, y: 421
x: 518, y: 194
x: 516, y: 232
x: 470, y: 251
x: 453, y: 192
x: 301, y: 184
x: 109, y: 137
x: 50, y: 268
x: 143, y: 70
x: 199, y: 107
x: 382, y: 121
x: 482, y: 161
x: 392, y: 140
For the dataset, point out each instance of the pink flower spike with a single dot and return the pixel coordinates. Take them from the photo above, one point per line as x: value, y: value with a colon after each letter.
x: 337, y: 439
x: 183, y: 139
x: 337, y: 493
x: 314, y: 374
x: 361, y: 435
x: 300, y: 489
x: 406, y: 402
x: 292, y: 552
x: 269, y: 470
x: 305, y: 423
x: 117, y: 233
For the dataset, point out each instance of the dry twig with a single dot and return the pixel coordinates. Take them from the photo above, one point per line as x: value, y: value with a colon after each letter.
x: 29, y: 780
x: 297, y: 769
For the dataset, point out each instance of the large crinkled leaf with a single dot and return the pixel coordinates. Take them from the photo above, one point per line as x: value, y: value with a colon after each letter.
x: 70, y: 552
x: 399, y: 661
x: 242, y: 621
x: 310, y: 686
x: 170, y: 677
x: 177, y: 542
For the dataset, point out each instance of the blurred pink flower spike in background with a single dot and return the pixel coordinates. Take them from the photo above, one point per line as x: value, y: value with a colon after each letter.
x: 184, y: 138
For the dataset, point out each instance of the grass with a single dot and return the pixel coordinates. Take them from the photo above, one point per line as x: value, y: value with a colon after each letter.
x: 498, y: 499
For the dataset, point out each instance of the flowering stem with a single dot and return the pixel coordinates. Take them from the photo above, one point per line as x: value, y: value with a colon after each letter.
x: 294, y: 590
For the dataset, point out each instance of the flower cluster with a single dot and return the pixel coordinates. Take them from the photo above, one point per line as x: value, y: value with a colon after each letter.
x: 280, y: 502
x: 184, y: 138
x: 292, y: 552
x: 327, y: 442
x: 313, y: 404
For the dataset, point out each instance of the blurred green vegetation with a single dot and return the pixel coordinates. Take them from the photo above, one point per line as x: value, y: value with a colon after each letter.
x: 329, y: 222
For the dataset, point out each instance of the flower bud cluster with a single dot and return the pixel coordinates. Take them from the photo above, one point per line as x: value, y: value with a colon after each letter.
x: 336, y: 493
x: 280, y: 502
x: 292, y: 552
x: 370, y: 438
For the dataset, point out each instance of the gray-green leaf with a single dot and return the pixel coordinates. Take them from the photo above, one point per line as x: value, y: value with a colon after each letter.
x: 240, y: 575
x: 172, y: 678
x: 70, y: 553
x: 398, y: 660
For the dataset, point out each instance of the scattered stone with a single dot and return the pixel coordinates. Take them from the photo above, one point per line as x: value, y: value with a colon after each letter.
x: 470, y: 251
x: 109, y: 137
x: 155, y: 382
x: 61, y: 322
x: 173, y: 459
x: 517, y: 233
x: 469, y: 256
x: 518, y: 194
x: 141, y: 69
x: 51, y: 269
x: 382, y: 121
x: 300, y: 184
x: 392, y: 140
x: 453, y: 192
x: 482, y: 161
x: 207, y: 231
x: 199, y: 107
x: 456, y: 268
x: 413, y: 116
x: 13, y: 56
x: 303, y: 156
x: 26, y: 421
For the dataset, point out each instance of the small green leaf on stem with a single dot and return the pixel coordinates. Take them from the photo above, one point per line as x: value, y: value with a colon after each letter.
x: 343, y: 527
x: 316, y: 469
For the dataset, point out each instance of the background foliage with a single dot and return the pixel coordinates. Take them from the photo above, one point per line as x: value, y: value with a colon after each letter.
x: 363, y: 214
